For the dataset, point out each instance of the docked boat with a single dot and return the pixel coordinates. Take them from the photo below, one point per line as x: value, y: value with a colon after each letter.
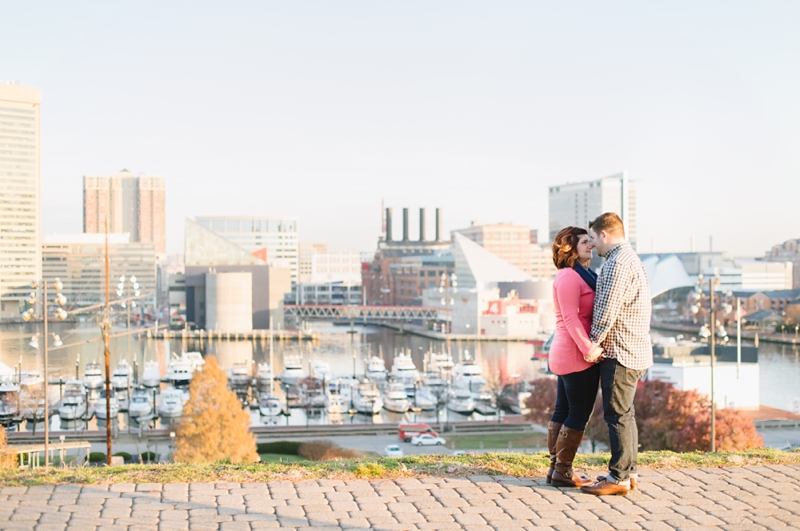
x: 376, y: 369
x: 469, y: 376
x: 485, y: 404
x: 9, y: 404
x: 403, y: 369
x: 100, y: 408
x: 179, y: 371
x: 121, y: 378
x: 312, y: 393
x: 395, y: 398
x: 195, y: 360
x: 335, y: 404
x: 141, y: 405
x: 239, y: 375
x: 31, y: 380
x: 264, y: 375
x: 74, y: 404
x: 367, y: 399
x: 269, y: 406
x: 292, y: 370
x: 440, y: 362
x: 460, y: 401
x: 171, y: 403
x: 93, y: 376
x: 321, y: 370
x: 151, y: 376
x: 34, y: 410
x: 425, y: 398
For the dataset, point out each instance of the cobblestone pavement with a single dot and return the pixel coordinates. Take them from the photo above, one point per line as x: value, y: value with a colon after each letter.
x: 729, y: 499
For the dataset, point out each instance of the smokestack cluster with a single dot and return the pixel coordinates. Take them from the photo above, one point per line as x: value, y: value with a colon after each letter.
x: 422, y: 218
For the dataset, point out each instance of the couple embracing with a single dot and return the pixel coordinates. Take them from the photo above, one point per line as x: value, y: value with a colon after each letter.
x: 602, y: 339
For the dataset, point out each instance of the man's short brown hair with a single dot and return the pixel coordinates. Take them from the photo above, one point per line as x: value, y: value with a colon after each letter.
x: 609, y: 222
x: 565, y: 246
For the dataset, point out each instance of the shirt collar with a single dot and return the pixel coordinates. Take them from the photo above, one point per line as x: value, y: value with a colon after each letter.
x: 614, y: 250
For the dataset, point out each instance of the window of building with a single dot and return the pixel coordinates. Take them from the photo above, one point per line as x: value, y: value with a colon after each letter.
x: 205, y: 223
x: 232, y: 225
x: 218, y: 225
x: 246, y: 225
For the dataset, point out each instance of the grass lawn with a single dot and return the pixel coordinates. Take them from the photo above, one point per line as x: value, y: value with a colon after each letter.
x: 282, y: 458
x: 497, y: 441
x: 492, y: 464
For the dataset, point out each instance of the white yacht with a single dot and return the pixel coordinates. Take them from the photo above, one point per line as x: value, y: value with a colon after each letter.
x: 93, y: 376
x: 440, y: 361
x: 292, y: 370
x: 239, y: 374
x: 312, y: 394
x: 335, y: 404
x: 195, y: 359
x: 395, y: 398
x: 34, y: 409
x: 367, y: 399
x: 31, y: 379
x: 171, y: 403
x: 264, y: 375
x: 151, y: 377
x: 376, y: 369
x: 74, y: 404
x: 100, y: 408
x: 179, y: 371
x: 121, y: 378
x: 469, y: 376
x: 403, y: 368
x: 485, y: 404
x: 9, y: 403
x: 460, y: 401
x: 269, y: 406
x: 141, y: 405
x: 425, y: 398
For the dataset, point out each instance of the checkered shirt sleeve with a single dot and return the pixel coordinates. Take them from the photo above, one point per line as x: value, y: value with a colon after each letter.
x: 622, y: 308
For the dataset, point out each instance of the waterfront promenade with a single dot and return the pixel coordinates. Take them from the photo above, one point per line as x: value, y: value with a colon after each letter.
x: 731, y: 499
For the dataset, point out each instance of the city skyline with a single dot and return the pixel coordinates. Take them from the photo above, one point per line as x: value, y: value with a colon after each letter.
x: 477, y: 110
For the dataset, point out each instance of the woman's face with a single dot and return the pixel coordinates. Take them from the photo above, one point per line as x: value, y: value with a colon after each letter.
x: 584, y: 248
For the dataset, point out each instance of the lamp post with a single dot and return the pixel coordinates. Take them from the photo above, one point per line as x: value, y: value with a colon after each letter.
x: 59, y: 300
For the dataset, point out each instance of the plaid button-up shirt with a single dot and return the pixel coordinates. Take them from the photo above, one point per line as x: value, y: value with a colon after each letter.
x: 622, y: 308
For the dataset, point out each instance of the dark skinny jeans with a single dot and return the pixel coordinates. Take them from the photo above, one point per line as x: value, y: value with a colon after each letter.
x: 575, y: 398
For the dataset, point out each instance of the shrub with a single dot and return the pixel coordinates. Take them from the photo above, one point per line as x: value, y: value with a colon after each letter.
x: 124, y: 455
x: 6, y: 455
x: 97, y: 457
x: 214, y: 427
x: 147, y: 457
x: 324, y: 451
x: 279, y: 447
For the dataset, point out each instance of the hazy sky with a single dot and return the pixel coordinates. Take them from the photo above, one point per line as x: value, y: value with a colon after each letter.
x: 320, y: 109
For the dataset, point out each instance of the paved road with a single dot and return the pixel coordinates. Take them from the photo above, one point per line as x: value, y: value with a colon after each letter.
x: 730, y: 499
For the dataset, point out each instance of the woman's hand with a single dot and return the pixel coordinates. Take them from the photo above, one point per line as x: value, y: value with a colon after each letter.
x: 595, y: 355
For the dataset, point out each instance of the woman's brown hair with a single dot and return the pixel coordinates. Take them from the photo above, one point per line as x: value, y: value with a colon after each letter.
x: 565, y: 246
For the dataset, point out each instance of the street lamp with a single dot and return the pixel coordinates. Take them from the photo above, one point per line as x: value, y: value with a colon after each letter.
x: 124, y: 288
x: 59, y: 300
x: 446, y: 282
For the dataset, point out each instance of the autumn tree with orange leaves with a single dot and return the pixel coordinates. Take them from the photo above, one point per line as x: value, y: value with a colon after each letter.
x: 214, y: 427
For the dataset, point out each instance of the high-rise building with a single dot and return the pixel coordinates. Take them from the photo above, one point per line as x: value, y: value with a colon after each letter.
x: 513, y: 244
x: 273, y: 240
x: 788, y: 251
x: 577, y: 204
x: 136, y: 205
x: 20, y: 218
x: 306, y: 252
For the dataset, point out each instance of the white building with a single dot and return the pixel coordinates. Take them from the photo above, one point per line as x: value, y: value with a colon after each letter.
x: 336, y: 267
x: 326, y: 293
x: 20, y: 216
x: 731, y: 389
x: 577, y: 204
x: 306, y: 251
x: 271, y: 239
x: 754, y: 275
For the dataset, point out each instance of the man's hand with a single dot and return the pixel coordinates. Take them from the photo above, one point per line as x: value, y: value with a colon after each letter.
x: 595, y: 354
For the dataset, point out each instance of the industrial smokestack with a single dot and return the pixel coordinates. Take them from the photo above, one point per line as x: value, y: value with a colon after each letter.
x: 405, y: 224
x: 421, y: 225
x: 388, y: 224
x: 438, y: 224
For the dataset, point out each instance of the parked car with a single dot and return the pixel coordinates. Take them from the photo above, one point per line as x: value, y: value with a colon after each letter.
x: 409, y: 431
x: 426, y: 439
x: 393, y: 451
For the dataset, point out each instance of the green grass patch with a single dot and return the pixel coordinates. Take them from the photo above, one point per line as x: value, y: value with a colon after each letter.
x: 491, y: 464
x: 497, y: 441
x: 282, y: 458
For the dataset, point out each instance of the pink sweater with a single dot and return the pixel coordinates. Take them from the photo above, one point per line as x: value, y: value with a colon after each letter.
x: 573, y: 300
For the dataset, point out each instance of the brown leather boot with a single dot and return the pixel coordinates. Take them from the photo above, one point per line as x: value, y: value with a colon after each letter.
x: 552, y: 436
x: 634, y: 481
x: 566, y: 447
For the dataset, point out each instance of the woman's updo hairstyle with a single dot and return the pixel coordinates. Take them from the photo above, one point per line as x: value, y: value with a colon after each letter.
x: 565, y: 246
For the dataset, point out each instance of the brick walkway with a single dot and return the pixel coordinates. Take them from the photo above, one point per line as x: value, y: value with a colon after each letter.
x: 729, y: 499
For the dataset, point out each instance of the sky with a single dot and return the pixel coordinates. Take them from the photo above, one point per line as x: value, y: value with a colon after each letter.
x: 321, y: 110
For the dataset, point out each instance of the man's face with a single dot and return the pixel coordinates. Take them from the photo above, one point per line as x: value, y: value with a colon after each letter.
x: 597, y: 242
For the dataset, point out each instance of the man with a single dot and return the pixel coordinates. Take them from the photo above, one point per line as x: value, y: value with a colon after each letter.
x: 621, y: 337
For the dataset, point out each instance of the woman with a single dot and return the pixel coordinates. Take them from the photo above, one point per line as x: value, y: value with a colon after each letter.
x: 573, y: 297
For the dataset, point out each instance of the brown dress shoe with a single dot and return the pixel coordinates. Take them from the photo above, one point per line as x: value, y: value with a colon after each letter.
x: 566, y: 447
x: 606, y: 488
x: 634, y: 481
x: 552, y: 438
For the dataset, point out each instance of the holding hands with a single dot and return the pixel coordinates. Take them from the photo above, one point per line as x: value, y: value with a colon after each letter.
x: 595, y: 355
